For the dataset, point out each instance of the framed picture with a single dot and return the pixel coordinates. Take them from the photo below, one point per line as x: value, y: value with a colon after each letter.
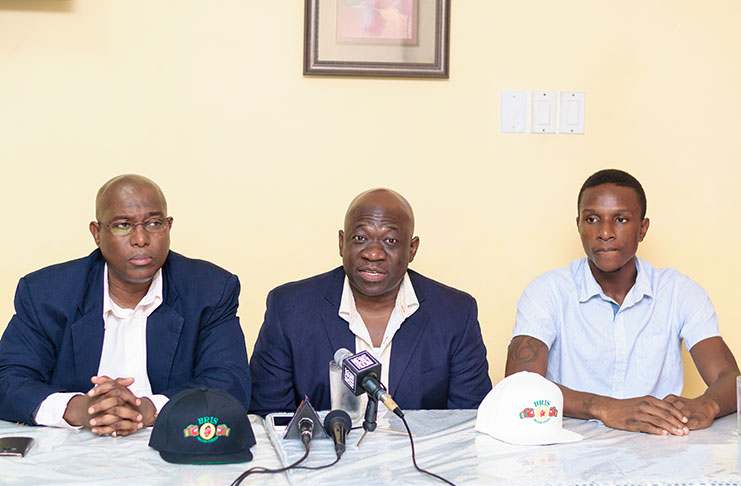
x: 407, y: 38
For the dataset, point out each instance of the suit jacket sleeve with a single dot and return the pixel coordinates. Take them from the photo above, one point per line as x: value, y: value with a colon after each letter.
x: 272, y: 365
x: 220, y: 358
x: 469, y: 370
x: 27, y: 359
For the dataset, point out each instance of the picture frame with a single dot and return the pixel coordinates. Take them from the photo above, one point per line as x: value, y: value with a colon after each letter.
x: 393, y: 38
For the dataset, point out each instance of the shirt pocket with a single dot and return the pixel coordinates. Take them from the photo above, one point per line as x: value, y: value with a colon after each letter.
x: 652, y: 347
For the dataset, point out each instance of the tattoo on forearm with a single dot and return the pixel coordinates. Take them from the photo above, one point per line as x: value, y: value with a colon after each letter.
x: 525, y: 350
x: 586, y: 404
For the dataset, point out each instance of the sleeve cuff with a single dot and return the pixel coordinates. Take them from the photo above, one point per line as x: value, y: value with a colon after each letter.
x: 158, y: 401
x: 51, y: 411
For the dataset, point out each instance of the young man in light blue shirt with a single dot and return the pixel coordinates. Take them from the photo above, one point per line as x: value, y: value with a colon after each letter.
x: 608, y: 329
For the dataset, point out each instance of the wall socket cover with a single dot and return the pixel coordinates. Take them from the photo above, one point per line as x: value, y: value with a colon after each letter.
x: 513, y: 111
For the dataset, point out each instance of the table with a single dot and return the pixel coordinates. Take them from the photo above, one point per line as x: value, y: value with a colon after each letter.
x: 72, y: 457
x: 445, y: 441
x: 447, y: 444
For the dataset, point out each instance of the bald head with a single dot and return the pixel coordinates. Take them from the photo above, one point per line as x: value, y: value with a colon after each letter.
x: 381, y: 199
x: 123, y: 186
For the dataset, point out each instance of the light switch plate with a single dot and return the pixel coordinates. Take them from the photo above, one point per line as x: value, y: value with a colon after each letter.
x: 544, y: 112
x: 513, y: 112
x: 572, y: 113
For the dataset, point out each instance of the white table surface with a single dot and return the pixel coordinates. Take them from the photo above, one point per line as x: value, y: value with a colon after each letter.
x: 445, y: 441
x: 447, y: 444
x: 72, y: 457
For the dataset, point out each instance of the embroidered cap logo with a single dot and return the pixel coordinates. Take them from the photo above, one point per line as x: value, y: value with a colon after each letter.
x: 541, y: 412
x: 207, y: 430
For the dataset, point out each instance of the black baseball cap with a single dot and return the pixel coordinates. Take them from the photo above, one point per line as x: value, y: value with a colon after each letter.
x: 203, y: 426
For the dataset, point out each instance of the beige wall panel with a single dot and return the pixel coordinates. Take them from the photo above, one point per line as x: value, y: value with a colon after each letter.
x: 260, y: 162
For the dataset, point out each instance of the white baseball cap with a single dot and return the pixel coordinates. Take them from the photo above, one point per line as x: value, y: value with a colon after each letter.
x: 524, y: 409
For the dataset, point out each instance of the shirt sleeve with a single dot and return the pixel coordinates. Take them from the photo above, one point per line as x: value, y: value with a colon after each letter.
x: 51, y: 411
x: 699, y: 320
x: 536, y: 315
x: 158, y: 401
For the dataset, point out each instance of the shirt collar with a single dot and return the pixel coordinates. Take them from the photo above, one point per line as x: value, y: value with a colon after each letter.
x: 642, y: 287
x: 406, y: 300
x: 588, y: 286
x: 148, y: 303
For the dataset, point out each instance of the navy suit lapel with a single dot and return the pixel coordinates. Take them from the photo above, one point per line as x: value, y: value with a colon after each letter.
x: 163, y: 335
x: 407, y: 338
x: 88, y: 330
x: 337, y: 329
x: 164, y: 326
x: 87, y: 341
x: 404, y: 345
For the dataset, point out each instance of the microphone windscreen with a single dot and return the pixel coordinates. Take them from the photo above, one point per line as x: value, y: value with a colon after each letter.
x: 337, y: 417
x: 340, y: 355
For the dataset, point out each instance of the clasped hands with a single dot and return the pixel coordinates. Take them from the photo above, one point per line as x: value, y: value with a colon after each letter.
x: 110, y: 408
x: 672, y: 415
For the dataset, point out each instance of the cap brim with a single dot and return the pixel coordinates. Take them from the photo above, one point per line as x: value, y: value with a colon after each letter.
x: 563, y: 436
x: 206, y: 459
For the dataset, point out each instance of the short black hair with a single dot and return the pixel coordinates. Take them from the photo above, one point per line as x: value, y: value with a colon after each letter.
x: 617, y: 177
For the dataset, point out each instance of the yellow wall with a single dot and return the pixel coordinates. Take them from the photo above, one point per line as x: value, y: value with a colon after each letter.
x: 259, y: 162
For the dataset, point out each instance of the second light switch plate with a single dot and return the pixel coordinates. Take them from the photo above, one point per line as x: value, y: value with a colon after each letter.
x: 544, y: 112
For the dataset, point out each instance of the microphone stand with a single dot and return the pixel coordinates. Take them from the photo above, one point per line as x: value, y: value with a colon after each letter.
x: 371, y: 412
x: 369, y: 421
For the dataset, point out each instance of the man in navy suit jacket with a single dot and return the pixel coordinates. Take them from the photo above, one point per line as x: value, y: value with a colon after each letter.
x: 61, y: 333
x: 425, y: 334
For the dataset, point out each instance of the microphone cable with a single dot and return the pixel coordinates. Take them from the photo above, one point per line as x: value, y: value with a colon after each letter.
x: 305, y: 439
x: 264, y: 470
x: 315, y: 468
x: 333, y: 417
x: 414, y: 459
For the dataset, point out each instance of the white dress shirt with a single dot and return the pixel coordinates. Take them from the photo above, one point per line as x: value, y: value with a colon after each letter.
x: 621, y: 351
x: 406, y: 305
x: 124, y: 352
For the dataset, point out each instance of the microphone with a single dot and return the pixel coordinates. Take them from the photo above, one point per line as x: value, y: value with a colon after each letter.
x: 360, y: 373
x: 306, y: 429
x: 340, y: 355
x: 337, y: 423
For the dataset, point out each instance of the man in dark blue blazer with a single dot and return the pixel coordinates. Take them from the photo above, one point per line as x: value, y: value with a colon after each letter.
x: 425, y: 334
x: 60, y: 338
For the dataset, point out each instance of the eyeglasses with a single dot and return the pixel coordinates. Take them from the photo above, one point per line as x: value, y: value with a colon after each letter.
x: 125, y: 228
